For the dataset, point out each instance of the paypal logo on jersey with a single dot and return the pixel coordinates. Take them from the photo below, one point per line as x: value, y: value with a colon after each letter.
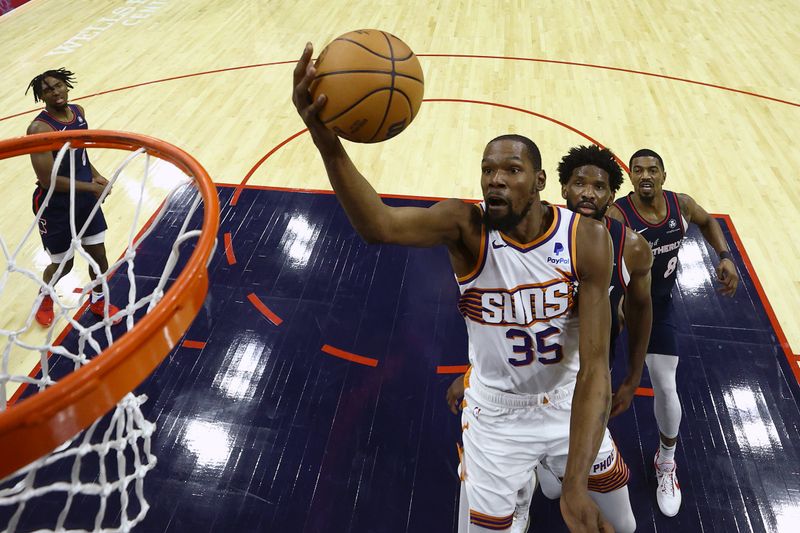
x: 557, y: 249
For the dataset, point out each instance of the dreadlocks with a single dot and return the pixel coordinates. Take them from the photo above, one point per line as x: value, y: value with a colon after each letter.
x: 61, y: 74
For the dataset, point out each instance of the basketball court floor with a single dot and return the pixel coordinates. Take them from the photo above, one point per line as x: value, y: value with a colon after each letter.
x: 308, y: 395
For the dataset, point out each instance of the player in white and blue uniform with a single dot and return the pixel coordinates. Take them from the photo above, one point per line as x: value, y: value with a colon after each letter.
x: 522, y: 318
x: 662, y: 217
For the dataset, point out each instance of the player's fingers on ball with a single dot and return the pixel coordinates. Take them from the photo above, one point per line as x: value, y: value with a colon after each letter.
x: 318, y: 104
x: 300, y: 68
x: 300, y: 94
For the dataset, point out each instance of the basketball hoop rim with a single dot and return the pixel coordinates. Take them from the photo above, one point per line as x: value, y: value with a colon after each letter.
x: 38, y: 424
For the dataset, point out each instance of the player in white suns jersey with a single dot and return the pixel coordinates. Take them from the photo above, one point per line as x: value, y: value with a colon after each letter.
x: 525, y: 318
x: 521, y: 296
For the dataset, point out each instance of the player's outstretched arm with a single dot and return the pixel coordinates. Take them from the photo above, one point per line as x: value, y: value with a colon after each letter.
x: 371, y: 218
x: 638, y: 317
x: 592, y: 397
x: 709, y: 227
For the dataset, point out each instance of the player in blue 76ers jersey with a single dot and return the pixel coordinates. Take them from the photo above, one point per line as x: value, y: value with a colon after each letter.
x: 537, y: 390
x: 590, y: 177
x: 662, y: 218
x: 53, y: 87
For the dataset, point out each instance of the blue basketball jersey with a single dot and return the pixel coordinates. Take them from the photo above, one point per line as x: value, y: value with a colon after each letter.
x: 619, y: 281
x: 665, y: 240
x: 83, y: 171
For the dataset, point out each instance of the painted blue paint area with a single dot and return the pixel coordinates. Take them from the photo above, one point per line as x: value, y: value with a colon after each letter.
x: 262, y: 431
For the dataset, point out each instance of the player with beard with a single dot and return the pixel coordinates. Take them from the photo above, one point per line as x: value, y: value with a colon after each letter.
x: 589, y: 177
x: 537, y: 390
x: 662, y: 217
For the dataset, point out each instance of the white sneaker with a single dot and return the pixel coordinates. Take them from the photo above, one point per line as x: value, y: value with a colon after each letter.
x: 522, y: 510
x: 521, y: 521
x: 668, y: 492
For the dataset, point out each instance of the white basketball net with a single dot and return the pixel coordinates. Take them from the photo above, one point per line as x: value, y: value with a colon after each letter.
x: 102, y: 469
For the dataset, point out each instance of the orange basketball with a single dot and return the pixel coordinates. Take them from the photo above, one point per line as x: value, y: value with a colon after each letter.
x: 373, y: 82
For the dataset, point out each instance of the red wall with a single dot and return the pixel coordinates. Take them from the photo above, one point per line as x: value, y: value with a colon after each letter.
x: 8, y: 5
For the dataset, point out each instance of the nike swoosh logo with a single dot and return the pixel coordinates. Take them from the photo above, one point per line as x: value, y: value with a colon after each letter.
x: 495, y: 245
x: 640, y: 231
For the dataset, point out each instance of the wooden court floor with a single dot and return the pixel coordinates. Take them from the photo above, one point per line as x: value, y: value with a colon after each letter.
x: 714, y: 87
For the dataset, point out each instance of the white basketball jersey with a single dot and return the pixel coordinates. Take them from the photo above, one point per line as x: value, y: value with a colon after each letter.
x: 519, y: 306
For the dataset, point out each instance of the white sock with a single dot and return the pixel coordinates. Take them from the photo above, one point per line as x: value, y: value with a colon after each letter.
x: 666, y: 453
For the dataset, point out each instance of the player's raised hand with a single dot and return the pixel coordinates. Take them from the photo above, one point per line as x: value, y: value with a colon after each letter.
x: 455, y: 393
x: 728, y: 277
x: 304, y: 73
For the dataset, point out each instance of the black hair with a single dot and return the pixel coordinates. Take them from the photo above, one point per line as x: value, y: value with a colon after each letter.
x: 646, y: 152
x: 602, y: 158
x: 530, y: 147
x: 60, y: 74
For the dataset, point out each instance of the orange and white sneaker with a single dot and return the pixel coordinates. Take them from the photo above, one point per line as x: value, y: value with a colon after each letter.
x: 668, y: 492
x: 98, y: 308
x: 45, y: 315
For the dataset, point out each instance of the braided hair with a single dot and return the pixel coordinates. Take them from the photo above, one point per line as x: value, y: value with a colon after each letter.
x: 60, y: 74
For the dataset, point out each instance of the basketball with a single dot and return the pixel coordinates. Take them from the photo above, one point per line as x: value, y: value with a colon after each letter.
x: 374, y: 85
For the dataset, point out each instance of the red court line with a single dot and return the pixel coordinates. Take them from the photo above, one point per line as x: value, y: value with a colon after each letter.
x: 773, y: 319
x: 194, y: 344
x: 521, y: 110
x: 467, y: 56
x: 360, y: 359
x: 329, y: 192
x: 239, y: 188
x: 237, y: 193
x: 643, y: 391
x: 161, y: 80
x: 266, y: 311
x: 452, y: 369
x: 229, y: 248
x: 616, y: 69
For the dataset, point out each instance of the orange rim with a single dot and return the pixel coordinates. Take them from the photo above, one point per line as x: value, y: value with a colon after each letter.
x: 36, y: 425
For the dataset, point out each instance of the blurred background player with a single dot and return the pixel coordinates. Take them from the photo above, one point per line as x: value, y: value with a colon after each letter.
x: 662, y: 217
x: 52, y: 87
